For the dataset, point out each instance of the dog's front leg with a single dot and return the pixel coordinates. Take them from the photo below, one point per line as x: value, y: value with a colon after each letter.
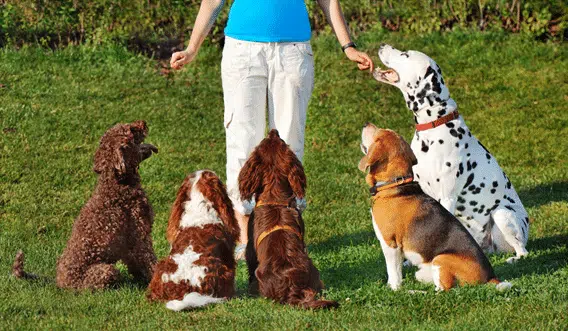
x: 393, y: 259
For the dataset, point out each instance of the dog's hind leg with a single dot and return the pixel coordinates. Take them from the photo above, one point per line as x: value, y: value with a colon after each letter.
x: 514, y: 233
x: 100, y: 276
x: 141, y: 260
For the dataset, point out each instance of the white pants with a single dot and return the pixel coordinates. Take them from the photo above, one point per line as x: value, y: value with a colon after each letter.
x: 256, y: 77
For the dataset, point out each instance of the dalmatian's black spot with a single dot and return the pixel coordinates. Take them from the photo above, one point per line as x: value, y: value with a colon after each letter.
x: 460, y: 208
x: 429, y: 71
x: 448, y: 164
x: 492, y: 191
x: 428, y: 183
x: 474, y: 164
x: 411, y: 98
x: 441, y: 142
x: 430, y: 102
x: 495, y: 184
x: 461, y: 130
x: 466, y: 145
x: 438, y: 180
x: 450, y: 125
x: 439, y: 70
x: 526, y: 220
x: 468, y: 166
x: 468, y: 154
x: 453, y: 132
x: 404, y: 54
x: 457, y: 144
x: 469, y: 180
x: 441, y: 112
x: 497, y: 201
x: 475, y: 210
x: 471, y: 187
x: 461, y: 200
x: 473, y: 203
x: 482, y: 184
x: 457, y: 174
x: 408, y: 85
x: 461, y: 168
x: 428, y: 112
x: 418, y: 176
x: 415, y: 106
x: 424, y: 147
x: 432, y: 143
x: 511, y: 200
x: 460, y: 136
x: 477, y: 190
x: 488, y: 156
x: 408, y: 104
x: 463, y: 192
x: 422, y: 94
x: 508, y: 186
x: 415, y: 120
x: 510, y: 208
x: 442, y: 80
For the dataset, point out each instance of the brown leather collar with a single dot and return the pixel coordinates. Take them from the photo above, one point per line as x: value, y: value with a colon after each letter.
x: 390, y: 184
x: 442, y: 120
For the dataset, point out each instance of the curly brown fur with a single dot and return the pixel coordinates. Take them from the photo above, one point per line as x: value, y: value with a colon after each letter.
x: 279, y: 268
x: 202, y: 230
x: 116, y: 223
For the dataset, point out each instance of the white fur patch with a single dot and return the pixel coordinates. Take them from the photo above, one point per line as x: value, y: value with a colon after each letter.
x: 436, y: 277
x: 198, y: 211
x: 186, y: 270
x: 503, y: 286
x: 393, y: 259
x: 414, y: 258
x: 192, y: 300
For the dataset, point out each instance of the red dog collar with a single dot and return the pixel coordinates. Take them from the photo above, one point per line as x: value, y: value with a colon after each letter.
x: 442, y: 120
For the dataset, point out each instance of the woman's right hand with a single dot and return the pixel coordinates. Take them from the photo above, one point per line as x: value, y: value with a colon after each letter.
x: 179, y: 59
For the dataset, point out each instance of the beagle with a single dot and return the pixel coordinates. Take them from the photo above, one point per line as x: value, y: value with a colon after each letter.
x: 411, y: 224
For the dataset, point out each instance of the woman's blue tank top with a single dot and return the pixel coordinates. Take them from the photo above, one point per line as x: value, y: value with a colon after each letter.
x: 269, y: 21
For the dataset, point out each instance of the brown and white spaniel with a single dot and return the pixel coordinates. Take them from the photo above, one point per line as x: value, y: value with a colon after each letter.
x: 279, y: 266
x: 201, y: 230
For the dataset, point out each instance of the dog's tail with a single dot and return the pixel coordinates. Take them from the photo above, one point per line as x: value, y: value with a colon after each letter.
x: 309, y: 301
x: 192, y: 300
x: 499, y: 285
x: 18, y: 267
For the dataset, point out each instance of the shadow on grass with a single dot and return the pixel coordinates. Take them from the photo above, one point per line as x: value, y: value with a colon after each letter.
x: 538, y: 263
x: 350, y: 239
x: 543, y: 194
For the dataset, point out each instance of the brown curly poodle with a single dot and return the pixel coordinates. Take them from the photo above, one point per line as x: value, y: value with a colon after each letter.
x: 116, y: 222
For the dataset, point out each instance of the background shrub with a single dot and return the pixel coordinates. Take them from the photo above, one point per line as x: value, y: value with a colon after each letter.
x: 158, y: 25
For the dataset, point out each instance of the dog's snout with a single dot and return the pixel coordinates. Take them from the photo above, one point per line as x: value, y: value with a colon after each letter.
x: 382, y: 45
x: 366, y: 124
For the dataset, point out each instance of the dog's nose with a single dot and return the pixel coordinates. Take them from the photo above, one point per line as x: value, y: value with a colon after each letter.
x: 381, y: 46
x: 366, y: 125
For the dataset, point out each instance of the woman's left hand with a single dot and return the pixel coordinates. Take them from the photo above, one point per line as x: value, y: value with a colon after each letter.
x: 363, y: 60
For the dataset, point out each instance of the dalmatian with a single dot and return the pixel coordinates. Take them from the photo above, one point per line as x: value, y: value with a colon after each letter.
x: 453, y: 166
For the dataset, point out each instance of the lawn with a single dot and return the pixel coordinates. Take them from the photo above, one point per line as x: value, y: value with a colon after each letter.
x: 54, y: 106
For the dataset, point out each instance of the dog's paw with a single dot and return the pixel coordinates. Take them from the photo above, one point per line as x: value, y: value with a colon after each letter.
x: 395, y: 286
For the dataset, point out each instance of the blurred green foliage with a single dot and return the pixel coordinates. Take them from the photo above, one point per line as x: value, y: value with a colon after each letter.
x: 57, y: 23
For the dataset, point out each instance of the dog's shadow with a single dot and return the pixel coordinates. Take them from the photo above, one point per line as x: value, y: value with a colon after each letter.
x: 353, y: 271
x: 543, y: 194
x: 540, y: 260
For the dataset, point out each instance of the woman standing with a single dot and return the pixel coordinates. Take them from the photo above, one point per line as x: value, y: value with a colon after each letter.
x: 267, y: 64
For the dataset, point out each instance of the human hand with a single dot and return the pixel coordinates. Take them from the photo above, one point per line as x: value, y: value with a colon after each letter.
x: 179, y: 59
x: 363, y: 60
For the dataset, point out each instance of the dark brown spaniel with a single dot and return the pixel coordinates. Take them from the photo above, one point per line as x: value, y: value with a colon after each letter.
x: 202, y: 230
x: 279, y: 266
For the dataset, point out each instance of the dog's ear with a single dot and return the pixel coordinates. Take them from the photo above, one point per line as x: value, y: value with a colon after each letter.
x: 105, y: 159
x: 296, y: 176
x: 177, y: 210
x: 222, y: 203
x: 250, y: 177
x: 407, y: 151
x: 375, y: 155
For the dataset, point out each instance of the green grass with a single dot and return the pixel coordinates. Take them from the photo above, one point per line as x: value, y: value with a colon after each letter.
x: 54, y: 106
